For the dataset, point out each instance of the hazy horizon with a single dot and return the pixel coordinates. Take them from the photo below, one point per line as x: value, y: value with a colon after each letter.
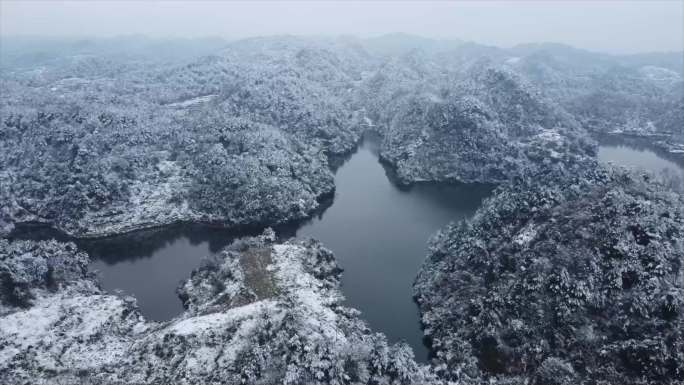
x: 606, y: 26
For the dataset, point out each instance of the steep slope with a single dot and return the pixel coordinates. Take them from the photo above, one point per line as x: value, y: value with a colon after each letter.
x: 609, y: 93
x: 97, y: 147
x: 488, y: 125
x: 258, y: 312
x: 561, y: 278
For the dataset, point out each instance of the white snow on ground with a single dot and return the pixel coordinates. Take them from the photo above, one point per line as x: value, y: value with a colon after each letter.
x: 15, y: 327
x: 151, y: 199
x: 203, y: 324
x: 54, y: 323
x: 80, y: 331
x: 192, y: 102
x: 205, y: 357
x: 637, y: 127
x: 512, y: 60
x: 526, y: 235
x: 313, y: 299
x: 659, y: 74
x: 311, y: 296
x: 550, y: 136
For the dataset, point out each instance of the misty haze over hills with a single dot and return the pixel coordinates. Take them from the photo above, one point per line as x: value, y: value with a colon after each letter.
x: 32, y: 48
x: 605, y: 26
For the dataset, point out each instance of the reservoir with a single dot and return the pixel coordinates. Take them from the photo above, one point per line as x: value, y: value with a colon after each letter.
x: 637, y: 154
x: 378, y: 232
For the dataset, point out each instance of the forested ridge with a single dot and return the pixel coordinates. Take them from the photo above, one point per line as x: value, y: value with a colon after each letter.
x: 570, y: 273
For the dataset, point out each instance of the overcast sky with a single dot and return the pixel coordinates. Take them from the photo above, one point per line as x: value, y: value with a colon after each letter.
x: 611, y: 26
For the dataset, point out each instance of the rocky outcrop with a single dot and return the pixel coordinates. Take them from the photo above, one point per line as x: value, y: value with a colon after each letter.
x: 563, y: 277
x: 258, y: 312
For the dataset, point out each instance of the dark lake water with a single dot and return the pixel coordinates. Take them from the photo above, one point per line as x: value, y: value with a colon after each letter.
x: 378, y: 232
x: 638, y: 154
x: 150, y: 264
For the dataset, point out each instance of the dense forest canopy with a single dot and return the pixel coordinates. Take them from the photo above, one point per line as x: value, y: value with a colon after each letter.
x: 88, y: 134
x: 570, y: 273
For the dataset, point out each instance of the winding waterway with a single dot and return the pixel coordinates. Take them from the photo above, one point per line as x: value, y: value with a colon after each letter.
x: 378, y: 232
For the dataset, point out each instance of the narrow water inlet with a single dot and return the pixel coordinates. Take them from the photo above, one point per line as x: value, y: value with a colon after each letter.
x: 150, y: 264
x: 638, y: 154
x: 378, y: 232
